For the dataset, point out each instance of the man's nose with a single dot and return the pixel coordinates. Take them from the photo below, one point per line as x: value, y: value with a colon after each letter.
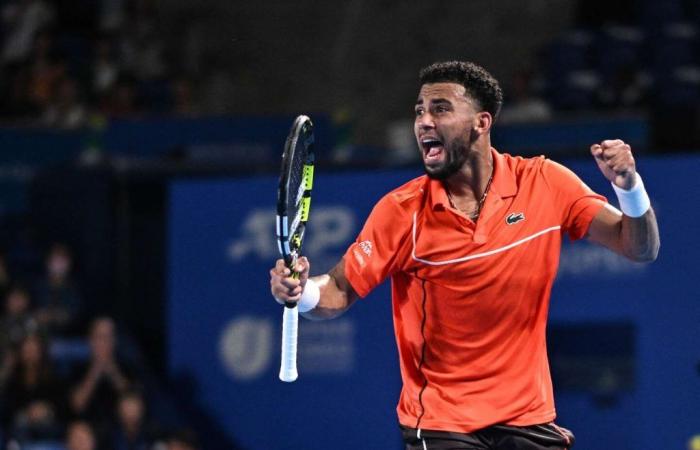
x: 425, y: 121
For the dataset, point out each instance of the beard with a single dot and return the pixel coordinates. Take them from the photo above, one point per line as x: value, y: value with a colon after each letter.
x: 456, y: 154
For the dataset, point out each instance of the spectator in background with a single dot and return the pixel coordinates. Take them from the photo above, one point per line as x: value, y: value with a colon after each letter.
x: 59, y: 306
x: 524, y: 106
x: 218, y: 92
x: 102, y: 381
x: 105, y: 69
x: 183, y: 98
x: 16, y: 323
x: 111, y: 15
x: 121, y: 101
x: 67, y: 109
x: 22, y: 19
x: 625, y: 91
x: 142, y: 43
x: 18, y: 320
x: 132, y: 432
x: 4, y: 276
x: 183, y: 440
x: 80, y: 436
x: 33, y: 396
x: 46, y: 71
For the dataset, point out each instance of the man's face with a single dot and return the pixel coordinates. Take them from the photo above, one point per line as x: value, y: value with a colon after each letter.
x: 444, y: 125
x: 131, y: 410
x: 80, y: 437
x: 103, y: 339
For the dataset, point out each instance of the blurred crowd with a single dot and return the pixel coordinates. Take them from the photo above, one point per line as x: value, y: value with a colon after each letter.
x: 629, y: 56
x: 626, y: 55
x: 63, y: 62
x: 65, y: 381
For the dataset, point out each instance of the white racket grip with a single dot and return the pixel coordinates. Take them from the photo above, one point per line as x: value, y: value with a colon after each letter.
x: 290, y: 328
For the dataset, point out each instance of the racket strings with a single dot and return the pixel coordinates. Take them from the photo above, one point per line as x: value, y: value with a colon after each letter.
x: 296, y: 188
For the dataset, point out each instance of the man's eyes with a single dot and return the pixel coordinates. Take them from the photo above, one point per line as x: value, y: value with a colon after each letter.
x: 436, y: 109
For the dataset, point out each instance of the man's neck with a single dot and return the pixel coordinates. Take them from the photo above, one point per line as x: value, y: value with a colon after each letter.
x: 468, y: 185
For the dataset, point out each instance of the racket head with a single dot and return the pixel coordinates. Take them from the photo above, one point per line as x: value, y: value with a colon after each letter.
x: 294, y: 190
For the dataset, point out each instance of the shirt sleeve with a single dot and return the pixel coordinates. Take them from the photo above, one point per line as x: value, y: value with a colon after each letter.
x: 576, y: 203
x: 374, y: 254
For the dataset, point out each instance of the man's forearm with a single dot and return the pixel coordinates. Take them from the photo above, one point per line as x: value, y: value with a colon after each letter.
x: 336, y: 295
x: 640, y: 237
x: 635, y: 234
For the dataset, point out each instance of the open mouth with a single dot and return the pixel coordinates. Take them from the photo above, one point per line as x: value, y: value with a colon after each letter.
x: 432, y: 148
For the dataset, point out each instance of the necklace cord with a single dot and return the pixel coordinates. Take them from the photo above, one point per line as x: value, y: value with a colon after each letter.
x: 474, y: 215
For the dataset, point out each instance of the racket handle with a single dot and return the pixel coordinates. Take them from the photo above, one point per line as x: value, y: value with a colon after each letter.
x: 290, y: 328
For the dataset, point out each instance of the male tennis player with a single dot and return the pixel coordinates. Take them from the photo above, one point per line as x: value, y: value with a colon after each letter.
x: 472, y: 249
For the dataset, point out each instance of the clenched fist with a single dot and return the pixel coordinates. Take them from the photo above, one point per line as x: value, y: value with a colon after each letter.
x: 615, y: 160
x: 283, y: 286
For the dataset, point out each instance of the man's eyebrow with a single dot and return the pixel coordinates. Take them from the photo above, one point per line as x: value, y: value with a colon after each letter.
x: 434, y: 101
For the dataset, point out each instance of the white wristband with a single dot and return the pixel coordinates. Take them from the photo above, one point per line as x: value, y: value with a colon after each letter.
x: 635, y: 202
x: 309, y: 297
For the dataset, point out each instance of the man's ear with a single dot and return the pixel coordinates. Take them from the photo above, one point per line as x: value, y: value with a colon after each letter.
x: 484, y: 121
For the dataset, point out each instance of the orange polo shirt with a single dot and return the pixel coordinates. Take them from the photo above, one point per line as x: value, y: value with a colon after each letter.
x: 470, y: 301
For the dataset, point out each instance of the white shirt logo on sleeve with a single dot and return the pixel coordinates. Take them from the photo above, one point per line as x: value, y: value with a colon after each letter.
x: 366, y: 247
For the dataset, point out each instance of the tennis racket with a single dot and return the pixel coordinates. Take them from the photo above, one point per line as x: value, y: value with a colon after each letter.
x: 293, y: 203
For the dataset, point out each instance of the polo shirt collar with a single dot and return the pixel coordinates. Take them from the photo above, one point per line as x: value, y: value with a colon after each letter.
x: 438, y: 194
x: 503, y: 182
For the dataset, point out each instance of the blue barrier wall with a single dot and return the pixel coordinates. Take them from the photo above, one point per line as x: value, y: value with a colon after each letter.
x: 216, y: 141
x: 624, y: 337
x: 256, y: 140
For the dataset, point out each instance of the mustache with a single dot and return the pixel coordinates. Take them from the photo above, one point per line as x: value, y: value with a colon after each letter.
x: 457, y: 151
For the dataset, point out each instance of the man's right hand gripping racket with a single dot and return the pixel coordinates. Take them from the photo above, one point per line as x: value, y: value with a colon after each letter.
x: 293, y: 203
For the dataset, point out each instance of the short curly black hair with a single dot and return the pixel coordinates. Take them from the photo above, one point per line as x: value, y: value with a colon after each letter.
x: 479, y: 84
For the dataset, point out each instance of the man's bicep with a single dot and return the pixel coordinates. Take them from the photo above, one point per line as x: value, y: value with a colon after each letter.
x: 605, y: 228
x: 376, y: 252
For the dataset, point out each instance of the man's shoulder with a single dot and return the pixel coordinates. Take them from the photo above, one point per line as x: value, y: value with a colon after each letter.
x: 395, y: 205
x: 521, y: 165
x: 534, y: 169
x: 411, y: 191
x: 542, y: 171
